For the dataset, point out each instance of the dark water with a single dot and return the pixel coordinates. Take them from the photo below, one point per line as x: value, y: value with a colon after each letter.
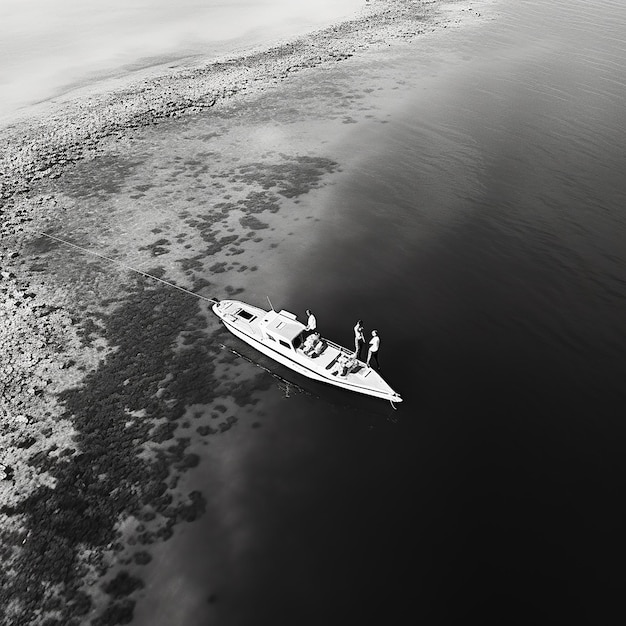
x: 482, y: 231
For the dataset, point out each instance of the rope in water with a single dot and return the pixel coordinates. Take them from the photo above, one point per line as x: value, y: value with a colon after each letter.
x: 128, y: 267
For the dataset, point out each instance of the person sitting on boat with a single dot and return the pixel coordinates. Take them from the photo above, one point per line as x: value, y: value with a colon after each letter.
x: 339, y: 365
x: 319, y: 346
x: 344, y: 364
x: 348, y: 363
x: 311, y: 343
x: 308, y: 343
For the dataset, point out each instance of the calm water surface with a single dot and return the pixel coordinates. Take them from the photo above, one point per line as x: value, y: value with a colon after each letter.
x: 482, y: 231
x: 50, y: 46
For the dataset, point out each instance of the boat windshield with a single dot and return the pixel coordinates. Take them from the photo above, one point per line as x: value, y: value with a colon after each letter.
x: 297, y: 341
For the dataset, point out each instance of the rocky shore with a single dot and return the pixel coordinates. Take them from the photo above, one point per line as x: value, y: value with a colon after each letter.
x: 81, y: 468
x: 40, y: 146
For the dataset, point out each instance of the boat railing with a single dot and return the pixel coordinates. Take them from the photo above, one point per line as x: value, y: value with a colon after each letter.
x: 341, y: 348
x: 335, y: 345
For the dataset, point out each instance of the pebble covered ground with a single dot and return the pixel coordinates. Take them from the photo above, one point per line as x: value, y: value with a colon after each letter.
x: 94, y: 434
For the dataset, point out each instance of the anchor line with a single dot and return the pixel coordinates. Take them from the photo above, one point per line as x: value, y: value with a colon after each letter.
x: 188, y: 292
x: 128, y: 267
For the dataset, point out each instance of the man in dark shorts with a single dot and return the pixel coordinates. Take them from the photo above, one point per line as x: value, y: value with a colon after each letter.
x: 359, y: 339
x: 373, y: 350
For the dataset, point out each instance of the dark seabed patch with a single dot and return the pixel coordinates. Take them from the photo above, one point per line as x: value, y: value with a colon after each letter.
x: 103, y: 175
x: 116, y: 487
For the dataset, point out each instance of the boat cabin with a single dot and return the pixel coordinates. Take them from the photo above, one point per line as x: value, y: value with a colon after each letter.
x: 282, y: 328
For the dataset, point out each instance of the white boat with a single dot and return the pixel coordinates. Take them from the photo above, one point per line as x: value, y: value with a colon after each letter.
x: 279, y: 335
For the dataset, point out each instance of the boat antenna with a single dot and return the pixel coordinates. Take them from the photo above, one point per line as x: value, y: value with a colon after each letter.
x: 271, y: 305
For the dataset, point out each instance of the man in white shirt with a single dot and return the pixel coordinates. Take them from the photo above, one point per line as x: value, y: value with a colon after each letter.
x: 373, y: 350
x: 311, y: 323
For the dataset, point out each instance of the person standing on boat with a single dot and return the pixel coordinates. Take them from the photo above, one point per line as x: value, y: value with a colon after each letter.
x: 373, y: 350
x: 311, y: 324
x: 359, y: 339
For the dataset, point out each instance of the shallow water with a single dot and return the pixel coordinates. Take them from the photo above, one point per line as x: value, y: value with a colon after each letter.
x: 48, y: 47
x: 478, y: 223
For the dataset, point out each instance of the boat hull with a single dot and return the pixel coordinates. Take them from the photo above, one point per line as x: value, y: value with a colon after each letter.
x: 298, y: 362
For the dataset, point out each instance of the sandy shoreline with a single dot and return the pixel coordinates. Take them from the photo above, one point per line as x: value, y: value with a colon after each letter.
x: 64, y: 130
x: 51, y: 346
